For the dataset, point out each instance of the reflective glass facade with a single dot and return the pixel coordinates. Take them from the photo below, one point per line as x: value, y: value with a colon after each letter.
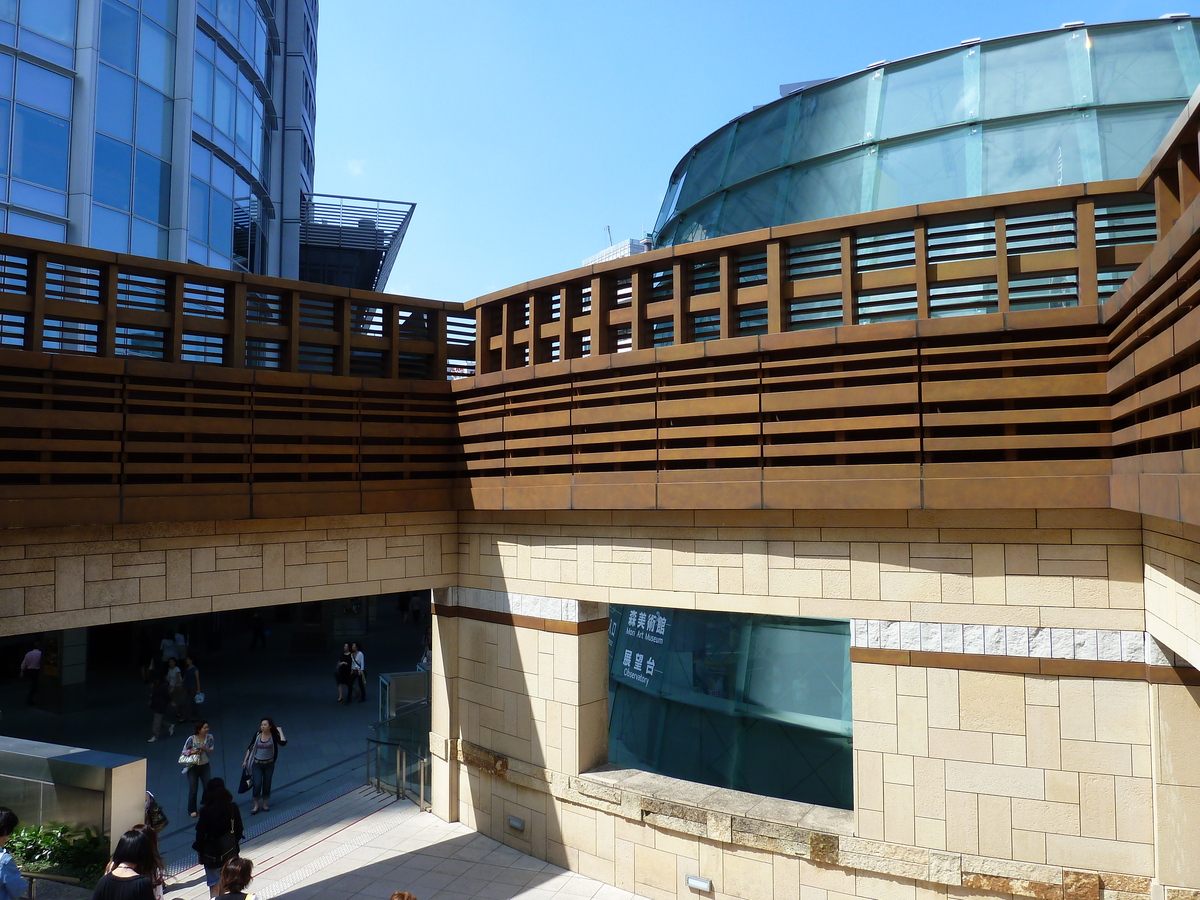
x: 754, y: 703
x: 158, y: 127
x: 1073, y: 105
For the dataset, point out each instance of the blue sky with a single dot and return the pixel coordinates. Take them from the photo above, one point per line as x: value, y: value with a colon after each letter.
x: 522, y: 129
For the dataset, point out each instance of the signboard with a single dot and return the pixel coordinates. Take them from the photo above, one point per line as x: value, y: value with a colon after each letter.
x: 637, y: 640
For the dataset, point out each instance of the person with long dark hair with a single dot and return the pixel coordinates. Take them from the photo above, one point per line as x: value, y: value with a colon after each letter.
x: 218, y: 832
x: 198, y: 747
x: 131, y: 872
x: 261, y: 756
x: 235, y: 878
x: 158, y: 870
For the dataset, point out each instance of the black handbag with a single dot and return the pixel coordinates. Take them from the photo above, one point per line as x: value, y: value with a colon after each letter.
x: 245, y: 782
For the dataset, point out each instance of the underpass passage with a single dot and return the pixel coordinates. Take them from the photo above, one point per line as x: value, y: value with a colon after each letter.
x: 291, y: 680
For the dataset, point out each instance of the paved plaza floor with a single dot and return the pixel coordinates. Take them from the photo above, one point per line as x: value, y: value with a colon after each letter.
x: 365, y: 845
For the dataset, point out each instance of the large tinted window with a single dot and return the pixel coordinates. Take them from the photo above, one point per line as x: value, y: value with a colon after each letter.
x: 754, y: 703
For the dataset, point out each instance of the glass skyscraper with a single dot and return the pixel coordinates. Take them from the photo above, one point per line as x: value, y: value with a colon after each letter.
x: 178, y: 129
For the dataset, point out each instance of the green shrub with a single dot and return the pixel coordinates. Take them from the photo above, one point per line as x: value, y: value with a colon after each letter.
x: 56, y: 849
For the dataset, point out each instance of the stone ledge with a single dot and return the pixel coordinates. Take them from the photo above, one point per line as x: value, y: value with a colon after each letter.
x: 805, y: 831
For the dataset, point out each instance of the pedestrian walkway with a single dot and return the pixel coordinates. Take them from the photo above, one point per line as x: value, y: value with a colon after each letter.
x: 364, y: 845
x: 326, y: 750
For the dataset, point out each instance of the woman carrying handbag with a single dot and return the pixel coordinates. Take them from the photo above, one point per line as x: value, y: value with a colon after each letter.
x: 260, y: 761
x: 218, y: 832
x: 196, y: 750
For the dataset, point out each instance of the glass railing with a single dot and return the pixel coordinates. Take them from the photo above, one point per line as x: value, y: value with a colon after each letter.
x: 398, y: 754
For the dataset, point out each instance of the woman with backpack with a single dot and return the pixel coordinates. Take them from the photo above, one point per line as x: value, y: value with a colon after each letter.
x: 218, y: 832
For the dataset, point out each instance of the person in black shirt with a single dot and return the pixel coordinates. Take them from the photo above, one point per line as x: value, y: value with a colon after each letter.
x: 218, y: 832
x: 131, y: 872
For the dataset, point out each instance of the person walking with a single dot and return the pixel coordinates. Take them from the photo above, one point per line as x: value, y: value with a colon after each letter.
x: 358, y: 668
x: 31, y: 670
x: 218, y: 832
x: 344, y: 674
x: 198, y: 747
x: 235, y: 878
x: 130, y: 873
x: 167, y: 648
x: 174, y: 681
x: 260, y: 760
x: 160, y: 702
x: 191, y: 687
x: 12, y: 885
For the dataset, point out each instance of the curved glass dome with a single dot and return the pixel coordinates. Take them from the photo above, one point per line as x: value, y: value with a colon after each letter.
x: 1059, y: 107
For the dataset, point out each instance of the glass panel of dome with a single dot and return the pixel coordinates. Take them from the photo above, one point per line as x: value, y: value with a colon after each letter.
x: 1027, y: 76
x: 924, y: 170
x: 668, y: 205
x: 157, y: 63
x: 831, y: 118
x: 924, y: 96
x: 1133, y: 65
x: 826, y: 189
x: 700, y: 222
x: 118, y: 35
x: 758, y: 143
x: 706, y: 167
x: 1032, y: 154
x: 753, y: 205
x: 1129, y: 137
x: 114, y: 103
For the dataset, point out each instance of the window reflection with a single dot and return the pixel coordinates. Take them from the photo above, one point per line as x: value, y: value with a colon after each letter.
x: 40, y: 148
x: 1026, y: 76
x: 754, y: 703
x: 1137, y: 64
x: 927, y: 95
x: 923, y: 171
x: 118, y: 35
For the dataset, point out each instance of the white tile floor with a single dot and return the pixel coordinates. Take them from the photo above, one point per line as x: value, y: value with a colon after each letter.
x: 365, y: 846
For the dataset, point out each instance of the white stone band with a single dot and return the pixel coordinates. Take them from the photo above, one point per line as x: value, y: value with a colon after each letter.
x: 1011, y: 640
x: 556, y: 609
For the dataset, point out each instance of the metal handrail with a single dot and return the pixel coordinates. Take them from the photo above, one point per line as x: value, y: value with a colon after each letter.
x: 34, y: 877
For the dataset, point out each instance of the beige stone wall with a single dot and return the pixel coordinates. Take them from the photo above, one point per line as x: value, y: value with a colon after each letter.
x: 968, y: 783
x: 1056, y: 568
x: 1172, y: 554
x: 74, y: 577
x: 1044, y: 770
x: 533, y: 695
